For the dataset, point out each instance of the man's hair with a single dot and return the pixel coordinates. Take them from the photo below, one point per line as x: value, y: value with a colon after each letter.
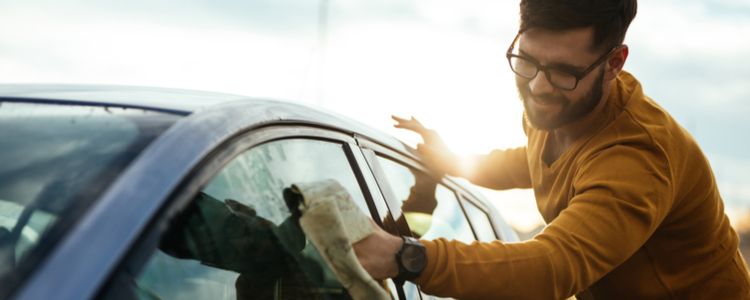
x: 610, y: 18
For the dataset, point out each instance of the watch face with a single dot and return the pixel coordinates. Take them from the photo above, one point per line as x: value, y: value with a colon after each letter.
x: 414, y: 259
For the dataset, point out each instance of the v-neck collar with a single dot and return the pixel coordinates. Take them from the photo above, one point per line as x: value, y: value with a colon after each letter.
x: 594, y: 128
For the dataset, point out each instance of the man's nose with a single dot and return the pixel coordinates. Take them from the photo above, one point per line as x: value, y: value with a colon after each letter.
x: 539, y: 85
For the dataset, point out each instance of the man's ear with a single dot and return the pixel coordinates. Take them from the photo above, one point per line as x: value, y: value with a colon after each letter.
x: 616, y: 62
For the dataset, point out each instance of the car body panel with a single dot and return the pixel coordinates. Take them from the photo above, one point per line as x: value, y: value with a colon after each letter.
x: 176, y: 101
x: 118, y: 218
x: 185, y: 102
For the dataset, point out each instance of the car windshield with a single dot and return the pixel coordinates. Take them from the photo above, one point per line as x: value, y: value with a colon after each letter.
x: 54, y: 161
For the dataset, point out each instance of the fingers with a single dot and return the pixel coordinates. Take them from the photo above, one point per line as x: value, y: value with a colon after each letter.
x: 402, y: 123
x: 377, y: 253
x: 411, y: 124
x: 397, y: 119
x: 376, y: 228
x: 373, y: 224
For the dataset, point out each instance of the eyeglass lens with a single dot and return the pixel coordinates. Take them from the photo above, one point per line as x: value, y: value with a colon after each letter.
x: 528, y: 69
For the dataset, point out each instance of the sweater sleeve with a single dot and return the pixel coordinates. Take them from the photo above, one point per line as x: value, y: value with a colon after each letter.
x: 619, y: 198
x: 499, y: 170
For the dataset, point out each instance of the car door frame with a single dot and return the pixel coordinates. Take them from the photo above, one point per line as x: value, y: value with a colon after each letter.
x: 121, y: 281
x: 410, y: 157
x: 116, y: 221
x: 372, y: 149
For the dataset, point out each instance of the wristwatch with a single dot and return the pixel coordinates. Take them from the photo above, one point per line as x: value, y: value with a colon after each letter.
x: 411, y: 260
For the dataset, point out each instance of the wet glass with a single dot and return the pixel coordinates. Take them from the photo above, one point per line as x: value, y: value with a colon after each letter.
x: 54, y: 161
x: 240, y: 237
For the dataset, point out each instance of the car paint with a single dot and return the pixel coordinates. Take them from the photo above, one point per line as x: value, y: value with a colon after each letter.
x: 113, y: 224
x: 185, y: 102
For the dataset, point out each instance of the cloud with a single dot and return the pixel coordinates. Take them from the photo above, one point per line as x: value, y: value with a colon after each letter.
x: 439, y: 60
x: 681, y: 29
x: 691, y: 58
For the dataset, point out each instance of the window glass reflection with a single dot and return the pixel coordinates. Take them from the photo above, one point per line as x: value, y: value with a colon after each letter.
x: 480, y: 221
x: 55, y: 160
x: 431, y: 209
x: 240, y: 237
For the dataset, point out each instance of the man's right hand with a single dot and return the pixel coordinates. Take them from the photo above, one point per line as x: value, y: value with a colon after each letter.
x: 435, y: 151
x: 377, y: 253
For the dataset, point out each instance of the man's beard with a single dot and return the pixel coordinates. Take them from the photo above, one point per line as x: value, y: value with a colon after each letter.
x: 568, y: 113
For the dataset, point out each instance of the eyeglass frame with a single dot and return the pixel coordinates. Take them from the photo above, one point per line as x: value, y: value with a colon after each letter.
x: 539, y: 67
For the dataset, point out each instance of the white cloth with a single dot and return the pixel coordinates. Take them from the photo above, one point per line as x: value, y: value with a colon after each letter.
x: 332, y: 222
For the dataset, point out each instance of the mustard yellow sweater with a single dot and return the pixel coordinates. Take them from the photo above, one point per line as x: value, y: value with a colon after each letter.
x: 633, y: 212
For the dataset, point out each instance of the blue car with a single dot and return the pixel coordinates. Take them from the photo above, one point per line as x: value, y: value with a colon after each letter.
x: 110, y: 192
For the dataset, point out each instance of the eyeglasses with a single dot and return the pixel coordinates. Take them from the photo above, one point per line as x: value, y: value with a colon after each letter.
x: 559, y: 78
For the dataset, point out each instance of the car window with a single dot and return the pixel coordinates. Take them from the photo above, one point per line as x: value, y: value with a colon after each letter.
x: 480, y: 222
x: 429, y: 207
x: 240, y: 239
x: 55, y: 160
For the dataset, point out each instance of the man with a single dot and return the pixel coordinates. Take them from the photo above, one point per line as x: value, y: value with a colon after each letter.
x: 631, y: 204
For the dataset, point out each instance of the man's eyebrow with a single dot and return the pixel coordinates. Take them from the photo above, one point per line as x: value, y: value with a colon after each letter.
x: 564, y: 66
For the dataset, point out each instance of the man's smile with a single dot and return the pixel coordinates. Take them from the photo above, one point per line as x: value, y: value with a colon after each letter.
x: 546, y: 105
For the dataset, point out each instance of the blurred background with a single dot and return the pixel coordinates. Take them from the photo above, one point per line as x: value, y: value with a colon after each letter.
x: 440, y: 61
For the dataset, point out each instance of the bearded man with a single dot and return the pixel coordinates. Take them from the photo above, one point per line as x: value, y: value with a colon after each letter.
x: 631, y: 205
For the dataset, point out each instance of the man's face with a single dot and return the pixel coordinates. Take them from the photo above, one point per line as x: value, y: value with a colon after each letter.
x: 545, y: 106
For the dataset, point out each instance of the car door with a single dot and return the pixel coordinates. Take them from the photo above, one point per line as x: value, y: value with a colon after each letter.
x: 423, y: 204
x: 402, y: 175
x: 480, y: 222
x: 230, y: 231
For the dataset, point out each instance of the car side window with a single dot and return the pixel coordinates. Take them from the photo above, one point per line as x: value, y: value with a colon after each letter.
x: 480, y: 222
x: 430, y: 208
x: 240, y: 239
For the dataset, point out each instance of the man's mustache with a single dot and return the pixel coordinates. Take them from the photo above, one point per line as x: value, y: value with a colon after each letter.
x: 544, y: 99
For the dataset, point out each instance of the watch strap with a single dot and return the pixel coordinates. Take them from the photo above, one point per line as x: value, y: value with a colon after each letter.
x: 403, y: 273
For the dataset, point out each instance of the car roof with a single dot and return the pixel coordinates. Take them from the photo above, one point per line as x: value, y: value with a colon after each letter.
x: 163, y: 99
x: 159, y: 171
x: 190, y: 102
x: 185, y: 102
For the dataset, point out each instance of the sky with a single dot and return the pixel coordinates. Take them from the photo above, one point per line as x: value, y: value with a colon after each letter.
x: 440, y: 61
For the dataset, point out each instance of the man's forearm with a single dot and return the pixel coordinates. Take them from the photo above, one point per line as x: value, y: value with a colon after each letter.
x: 498, y: 170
